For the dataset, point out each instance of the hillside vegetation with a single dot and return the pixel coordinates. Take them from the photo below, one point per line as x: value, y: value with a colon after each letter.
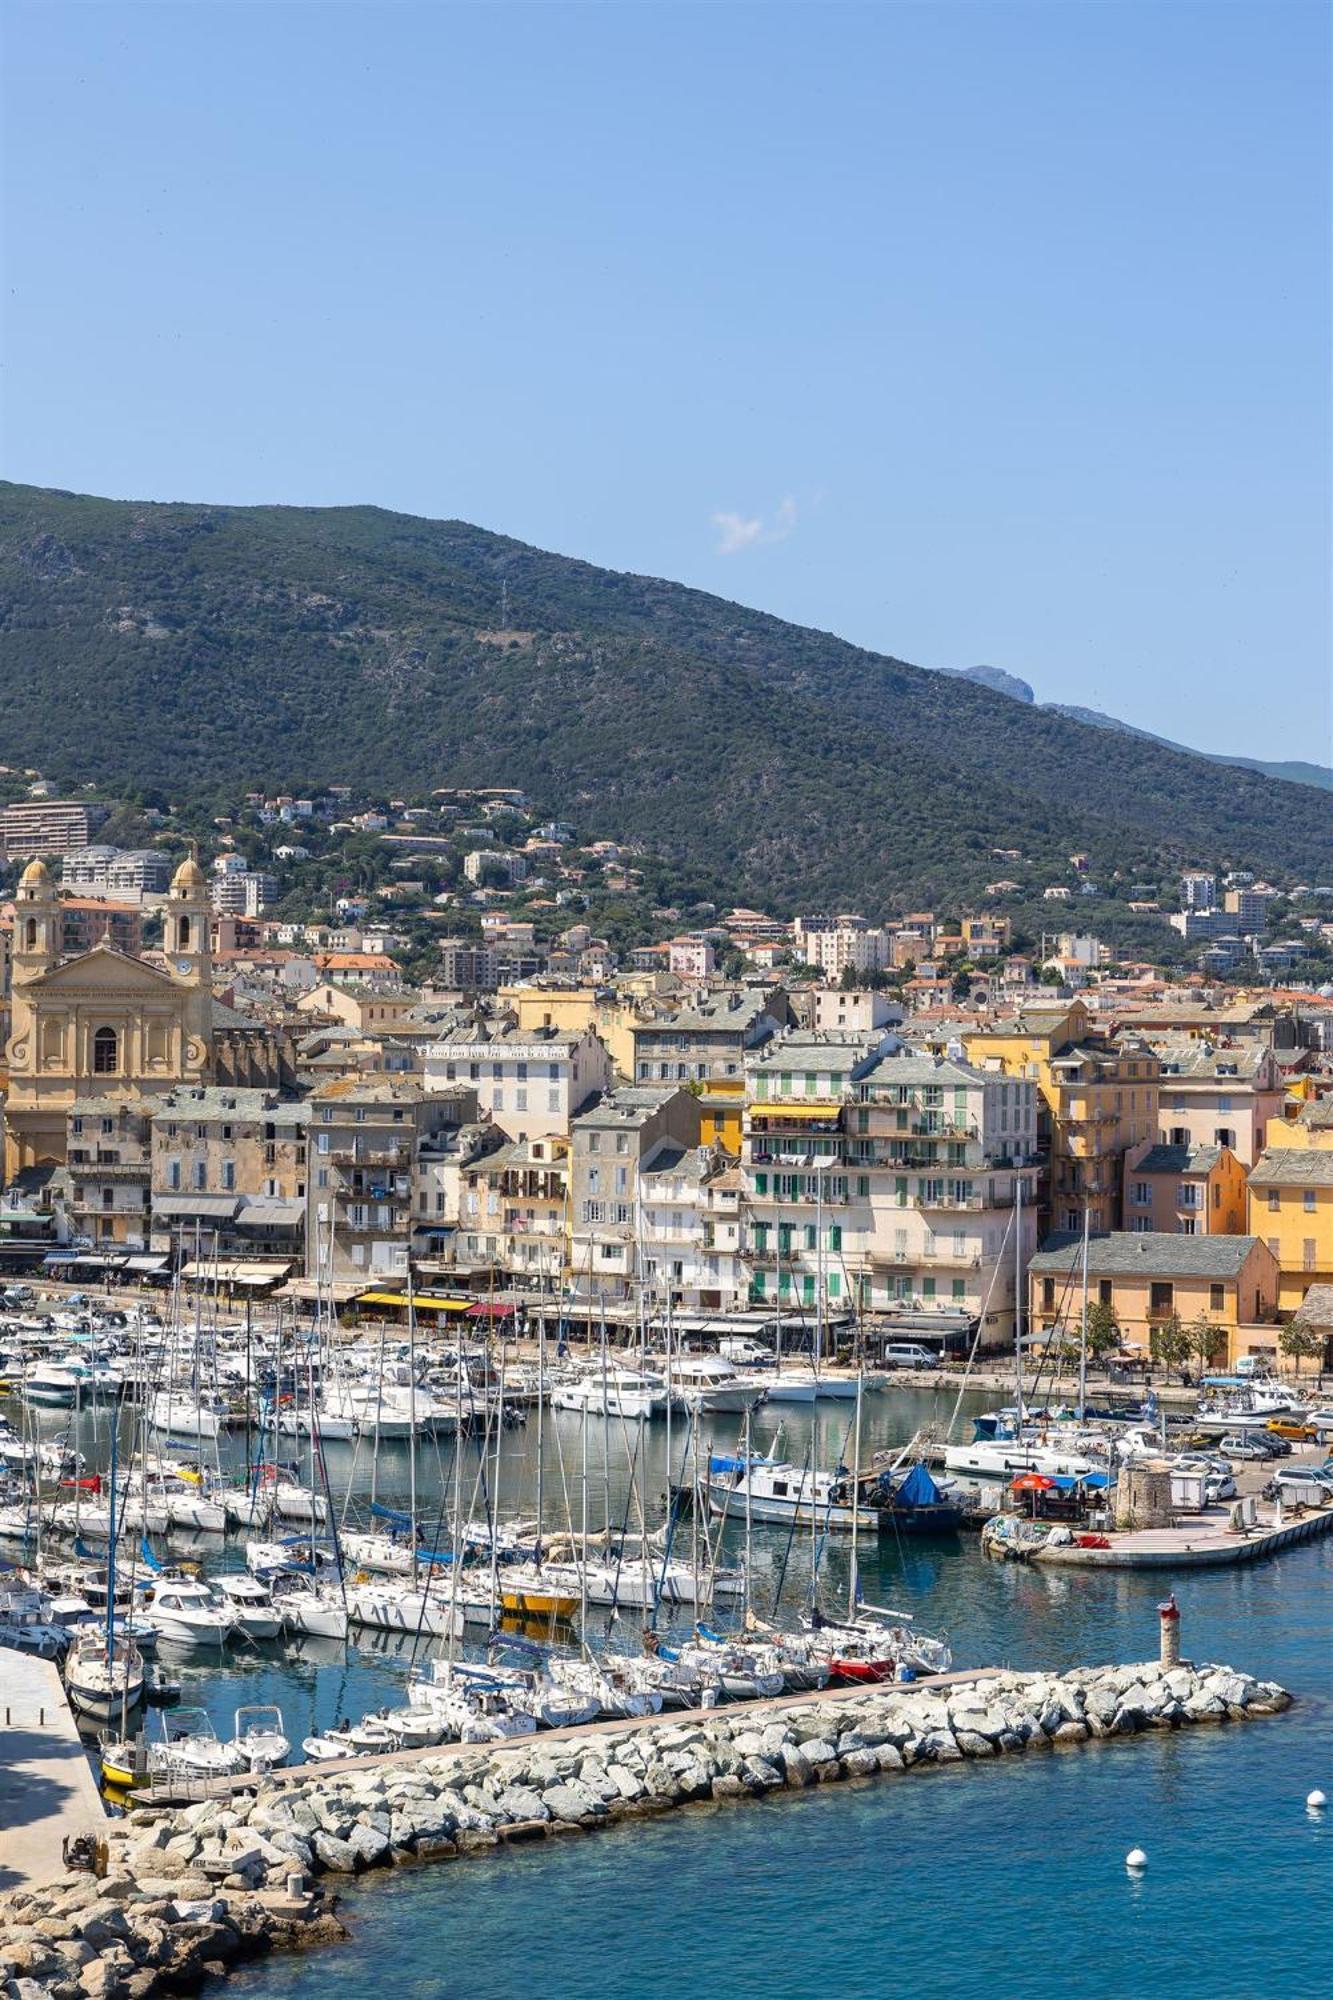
x: 209, y: 648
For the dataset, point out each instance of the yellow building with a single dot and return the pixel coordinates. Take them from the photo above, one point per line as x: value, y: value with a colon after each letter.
x: 571, y: 1010
x: 1230, y: 1282
x: 1291, y: 1208
x: 1096, y: 1099
x: 101, y: 1024
x: 722, y: 1113
x: 1310, y: 1130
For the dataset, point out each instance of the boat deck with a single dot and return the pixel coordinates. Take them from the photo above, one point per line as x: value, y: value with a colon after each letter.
x: 47, y: 1789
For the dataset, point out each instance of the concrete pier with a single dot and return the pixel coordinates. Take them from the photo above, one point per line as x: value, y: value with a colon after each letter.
x: 47, y: 1789
x: 1200, y: 1541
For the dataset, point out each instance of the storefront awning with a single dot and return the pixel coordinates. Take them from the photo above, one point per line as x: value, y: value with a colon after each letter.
x: 146, y: 1264
x: 827, y: 1114
x: 220, y: 1272
x: 399, y: 1300
x: 54, y: 1257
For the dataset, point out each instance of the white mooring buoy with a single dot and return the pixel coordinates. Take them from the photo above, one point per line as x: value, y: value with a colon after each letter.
x: 1136, y: 1861
x: 1316, y: 1801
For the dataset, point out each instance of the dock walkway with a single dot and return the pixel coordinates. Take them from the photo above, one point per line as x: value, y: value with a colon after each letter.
x: 47, y: 1789
x: 1201, y: 1541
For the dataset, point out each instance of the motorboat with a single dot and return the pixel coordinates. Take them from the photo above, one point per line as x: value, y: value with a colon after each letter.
x: 612, y: 1392
x: 259, y: 1737
x: 188, y: 1613
x: 190, y: 1748
x: 26, y: 1621
x: 318, y: 1610
x: 251, y: 1604
x: 709, y: 1384
x: 180, y: 1413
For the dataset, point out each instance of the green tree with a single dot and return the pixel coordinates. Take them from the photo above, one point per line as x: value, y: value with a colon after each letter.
x: 1169, y: 1343
x: 1204, y: 1340
x: 1103, y: 1330
x: 1300, y: 1343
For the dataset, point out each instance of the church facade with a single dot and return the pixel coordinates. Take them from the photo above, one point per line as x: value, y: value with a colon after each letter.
x: 101, y: 1024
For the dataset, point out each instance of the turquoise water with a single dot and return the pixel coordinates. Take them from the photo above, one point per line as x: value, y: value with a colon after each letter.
x: 1002, y: 1880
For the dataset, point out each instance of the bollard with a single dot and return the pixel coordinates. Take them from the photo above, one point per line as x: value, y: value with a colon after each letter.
x: 1169, y: 1614
x: 296, y: 1884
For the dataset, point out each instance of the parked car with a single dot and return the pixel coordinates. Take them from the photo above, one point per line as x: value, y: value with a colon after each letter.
x: 1294, y: 1432
x: 909, y: 1354
x: 1251, y: 1448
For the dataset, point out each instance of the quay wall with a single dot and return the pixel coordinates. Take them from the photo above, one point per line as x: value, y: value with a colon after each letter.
x: 185, y: 1891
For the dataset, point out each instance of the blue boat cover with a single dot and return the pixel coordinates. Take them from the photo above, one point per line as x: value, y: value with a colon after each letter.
x: 719, y: 1463
x: 150, y: 1559
x: 918, y: 1489
x: 403, y: 1521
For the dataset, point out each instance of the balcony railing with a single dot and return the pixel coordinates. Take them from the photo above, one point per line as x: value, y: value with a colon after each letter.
x: 371, y: 1156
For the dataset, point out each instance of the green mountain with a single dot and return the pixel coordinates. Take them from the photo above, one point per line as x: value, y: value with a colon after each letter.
x: 210, y: 648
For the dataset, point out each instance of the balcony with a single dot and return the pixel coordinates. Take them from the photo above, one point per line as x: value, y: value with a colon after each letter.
x: 371, y: 1156
x: 128, y: 1173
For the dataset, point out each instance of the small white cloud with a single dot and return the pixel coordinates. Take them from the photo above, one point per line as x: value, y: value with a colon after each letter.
x: 740, y: 531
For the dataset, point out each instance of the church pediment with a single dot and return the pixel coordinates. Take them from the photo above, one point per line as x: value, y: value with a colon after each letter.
x: 104, y: 974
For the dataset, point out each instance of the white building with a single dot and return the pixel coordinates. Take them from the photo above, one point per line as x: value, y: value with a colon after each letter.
x: 532, y: 1083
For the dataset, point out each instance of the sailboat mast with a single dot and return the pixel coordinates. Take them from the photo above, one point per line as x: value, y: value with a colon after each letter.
x: 1018, y: 1298
x: 853, y: 1581
x: 412, y: 1414
x: 1083, y: 1334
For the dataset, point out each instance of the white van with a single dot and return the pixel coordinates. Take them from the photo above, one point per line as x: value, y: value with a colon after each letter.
x: 909, y: 1354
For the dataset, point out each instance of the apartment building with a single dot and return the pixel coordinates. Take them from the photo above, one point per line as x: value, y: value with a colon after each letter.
x: 840, y: 944
x: 612, y: 1146
x: 1291, y: 1208
x: 121, y: 874
x: 1096, y: 1099
x: 366, y: 1136
x: 1184, y: 1190
x: 1213, y: 1093
x: 706, y: 1037
x: 468, y: 967
x: 108, y: 1156
x: 48, y: 826
x: 513, y: 1212
x: 86, y: 921
x: 229, y: 1175
x: 533, y: 1082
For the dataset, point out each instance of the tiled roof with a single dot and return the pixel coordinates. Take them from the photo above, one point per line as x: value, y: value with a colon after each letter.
x: 1294, y: 1166
x: 1154, y: 1254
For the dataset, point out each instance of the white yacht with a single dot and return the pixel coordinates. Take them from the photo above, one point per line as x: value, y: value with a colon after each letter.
x: 251, y: 1604
x: 102, y: 1676
x: 612, y: 1392
x: 709, y: 1383
x: 188, y: 1613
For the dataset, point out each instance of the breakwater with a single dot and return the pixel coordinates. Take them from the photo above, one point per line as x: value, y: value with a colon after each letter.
x: 189, y: 1890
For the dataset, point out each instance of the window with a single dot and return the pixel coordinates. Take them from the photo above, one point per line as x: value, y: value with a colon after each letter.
x: 1274, y: 1201
x: 1188, y: 1225
x: 229, y: 1175
x: 174, y: 1174
x: 1308, y: 1253
x: 200, y: 1175
x: 1217, y: 1297
x: 1141, y: 1194
x: 108, y: 1197
x: 106, y: 1052
x: 960, y: 1288
x: 1308, y: 1200
x: 1105, y: 1291
x: 927, y: 1288
x: 811, y: 1240
x: 108, y: 1125
x: 1161, y: 1297
x: 835, y: 1237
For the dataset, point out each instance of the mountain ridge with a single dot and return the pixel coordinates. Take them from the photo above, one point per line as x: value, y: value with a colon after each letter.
x: 211, y: 648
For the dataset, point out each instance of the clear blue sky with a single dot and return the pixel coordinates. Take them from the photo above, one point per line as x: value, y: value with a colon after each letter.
x: 971, y: 332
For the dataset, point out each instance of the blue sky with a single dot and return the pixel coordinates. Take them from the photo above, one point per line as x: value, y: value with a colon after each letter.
x: 971, y: 332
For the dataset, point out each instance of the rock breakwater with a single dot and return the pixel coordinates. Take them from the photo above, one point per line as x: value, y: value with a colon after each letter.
x: 189, y: 1890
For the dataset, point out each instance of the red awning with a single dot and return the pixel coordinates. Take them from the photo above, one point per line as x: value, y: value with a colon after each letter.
x: 486, y: 1309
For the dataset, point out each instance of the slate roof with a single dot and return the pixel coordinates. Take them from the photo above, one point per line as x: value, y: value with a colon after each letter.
x: 1153, y: 1254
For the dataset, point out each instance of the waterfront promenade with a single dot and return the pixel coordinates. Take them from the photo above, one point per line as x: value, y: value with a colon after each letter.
x: 47, y: 1789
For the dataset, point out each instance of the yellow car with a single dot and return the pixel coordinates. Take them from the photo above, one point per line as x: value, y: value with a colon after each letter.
x: 1287, y: 1427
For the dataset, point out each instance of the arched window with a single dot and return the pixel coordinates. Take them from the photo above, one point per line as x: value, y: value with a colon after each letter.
x: 184, y: 934
x: 106, y: 1052
x: 30, y: 935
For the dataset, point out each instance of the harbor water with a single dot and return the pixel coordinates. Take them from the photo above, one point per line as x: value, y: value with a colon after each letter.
x: 1001, y: 1881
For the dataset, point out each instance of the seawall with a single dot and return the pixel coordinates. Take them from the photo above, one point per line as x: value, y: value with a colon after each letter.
x: 186, y: 1891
